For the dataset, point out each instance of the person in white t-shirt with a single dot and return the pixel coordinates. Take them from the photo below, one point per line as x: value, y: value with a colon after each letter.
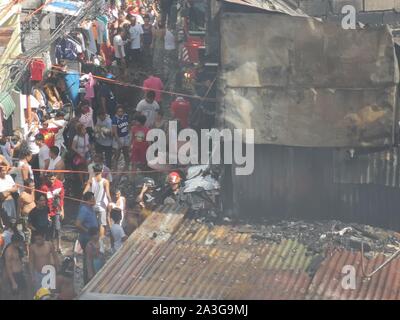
x: 148, y: 107
x: 119, y: 49
x: 7, y: 188
x: 118, y: 235
x: 60, y: 123
x: 44, y: 153
x: 135, y: 37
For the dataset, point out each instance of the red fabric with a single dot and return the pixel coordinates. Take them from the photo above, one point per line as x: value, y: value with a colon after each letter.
x: 181, y: 110
x: 108, y: 53
x: 49, y: 136
x: 153, y: 83
x: 37, y: 69
x: 139, y: 144
x: 57, y: 186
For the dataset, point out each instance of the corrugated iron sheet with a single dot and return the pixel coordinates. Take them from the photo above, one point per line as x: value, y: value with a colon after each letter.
x: 120, y: 271
x: 307, y: 83
x: 203, y: 262
x: 269, y: 5
x: 287, y: 183
x: 172, y: 256
x: 327, y: 282
x: 380, y: 167
x: 299, y: 183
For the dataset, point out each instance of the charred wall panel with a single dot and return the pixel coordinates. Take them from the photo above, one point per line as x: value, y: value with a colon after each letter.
x: 379, y: 167
x: 298, y: 183
x: 307, y: 83
x: 287, y: 183
x: 369, y: 204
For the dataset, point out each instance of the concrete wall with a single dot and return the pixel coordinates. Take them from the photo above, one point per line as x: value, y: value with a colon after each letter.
x: 372, y: 12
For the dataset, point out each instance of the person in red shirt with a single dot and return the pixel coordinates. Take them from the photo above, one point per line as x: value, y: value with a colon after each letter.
x: 180, y: 110
x: 48, y: 134
x: 153, y: 83
x: 139, y: 143
x: 54, y: 189
x: 107, y: 53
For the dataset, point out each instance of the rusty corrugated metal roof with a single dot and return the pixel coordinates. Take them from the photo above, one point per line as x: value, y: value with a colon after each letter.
x: 327, y: 282
x: 203, y: 262
x: 173, y: 256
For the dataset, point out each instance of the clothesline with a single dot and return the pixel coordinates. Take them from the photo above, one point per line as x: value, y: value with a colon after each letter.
x: 86, y: 172
x: 66, y: 197
x: 117, y: 82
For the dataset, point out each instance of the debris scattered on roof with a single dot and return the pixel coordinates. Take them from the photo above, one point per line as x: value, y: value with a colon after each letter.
x: 173, y: 255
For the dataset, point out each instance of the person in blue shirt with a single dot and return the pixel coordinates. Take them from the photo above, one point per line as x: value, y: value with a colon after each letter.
x: 86, y: 218
x: 121, y: 140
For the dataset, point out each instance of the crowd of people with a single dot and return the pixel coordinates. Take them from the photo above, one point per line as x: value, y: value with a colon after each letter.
x: 74, y: 145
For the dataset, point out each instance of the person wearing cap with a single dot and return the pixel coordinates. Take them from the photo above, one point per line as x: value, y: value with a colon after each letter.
x: 54, y: 189
x: 43, y: 294
x: 172, y: 193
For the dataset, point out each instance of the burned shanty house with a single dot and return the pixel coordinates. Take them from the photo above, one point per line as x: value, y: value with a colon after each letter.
x: 323, y: 104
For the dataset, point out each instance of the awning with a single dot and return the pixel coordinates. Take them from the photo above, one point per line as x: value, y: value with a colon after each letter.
x: 7, y: 104
x: 71, y: 8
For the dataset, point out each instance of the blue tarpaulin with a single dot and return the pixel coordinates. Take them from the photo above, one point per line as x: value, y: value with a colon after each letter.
x: 72, y: 84
x: 64, y: 7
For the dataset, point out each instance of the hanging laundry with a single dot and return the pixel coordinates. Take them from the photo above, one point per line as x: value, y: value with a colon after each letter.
x: 77, y: 45
x: 89, y: 86
x: 102, y: 29
x: 47, y: 60
x: 87, y: 27
x: 37, y: 69
x: 66, y: 49
x: 81, y: 40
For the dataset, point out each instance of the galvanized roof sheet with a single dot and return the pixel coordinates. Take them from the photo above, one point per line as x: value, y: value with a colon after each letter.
x: 270, y: 5
x: 202, y: 262
x: 327, y: 282
x: 176, y: 257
